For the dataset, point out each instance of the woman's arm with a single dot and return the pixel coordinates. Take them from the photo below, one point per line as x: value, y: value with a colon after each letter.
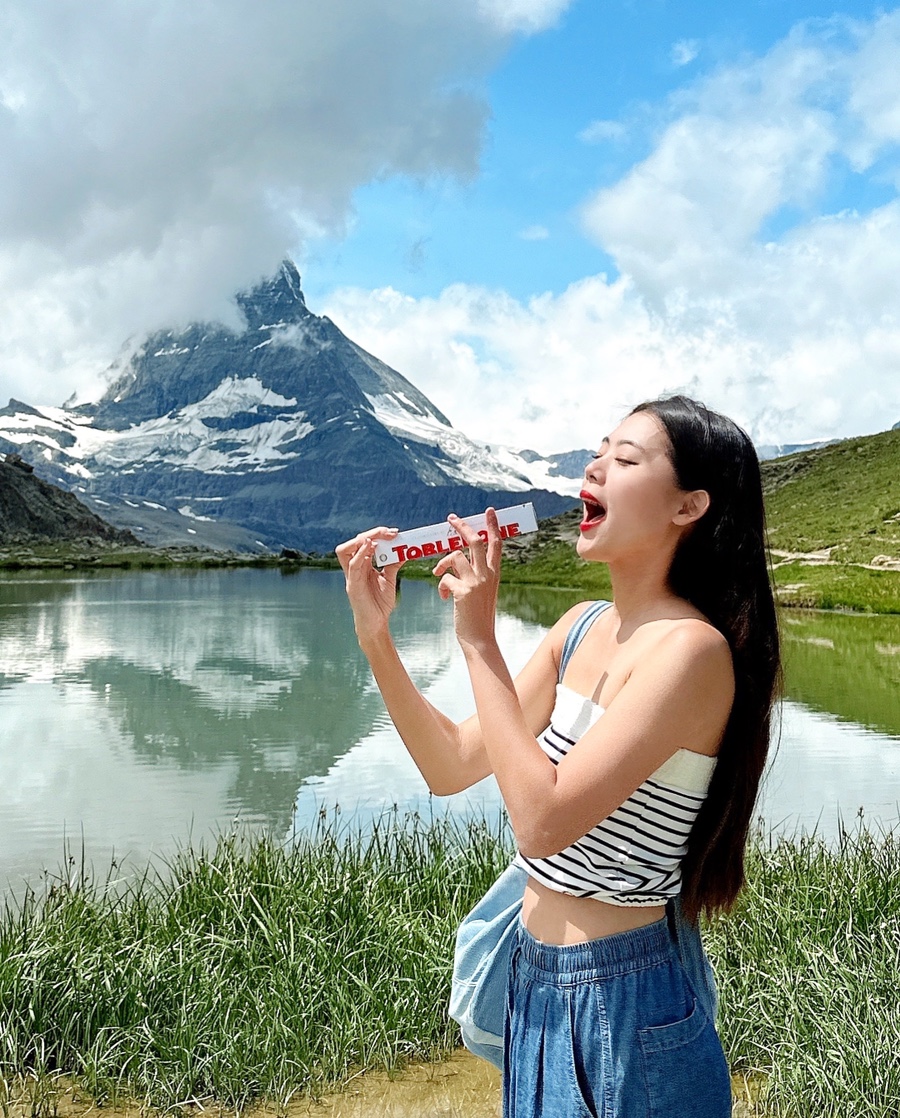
x: 451, y: 756
x: 678, y: 696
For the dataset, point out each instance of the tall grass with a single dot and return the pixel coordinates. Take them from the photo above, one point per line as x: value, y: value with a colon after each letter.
x: 255, y: 971
x: 249, y: 971
x: 809, y: 971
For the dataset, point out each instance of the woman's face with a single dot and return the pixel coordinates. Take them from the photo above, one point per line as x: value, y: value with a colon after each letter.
x: 632, y: 503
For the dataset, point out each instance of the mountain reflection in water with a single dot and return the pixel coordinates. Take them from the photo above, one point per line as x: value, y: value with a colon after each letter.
x: 140, y: 710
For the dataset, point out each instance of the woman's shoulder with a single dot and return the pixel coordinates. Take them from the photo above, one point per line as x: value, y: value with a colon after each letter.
x: 577, y: 616
x: 692, y: 644
x: 583, y: 609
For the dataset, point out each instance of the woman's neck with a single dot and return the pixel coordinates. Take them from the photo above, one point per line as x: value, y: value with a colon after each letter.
x: 641, y: 589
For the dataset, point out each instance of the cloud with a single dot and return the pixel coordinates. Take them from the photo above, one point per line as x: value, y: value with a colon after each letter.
x: 684, y: 51
x: 158, y: 156
x: 796, y: 334
x: 535, y: 233
x: 524, y: 15
x: 599, y: 130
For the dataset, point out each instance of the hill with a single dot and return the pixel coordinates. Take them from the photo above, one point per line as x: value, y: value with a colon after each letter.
x: 839, y: 503
x: 33, y: 511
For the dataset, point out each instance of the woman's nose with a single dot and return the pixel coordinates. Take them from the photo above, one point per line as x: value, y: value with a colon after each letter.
x: 593, y: 471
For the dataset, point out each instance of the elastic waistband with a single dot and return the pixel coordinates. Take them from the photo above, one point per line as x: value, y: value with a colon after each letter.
x: 604, y: 957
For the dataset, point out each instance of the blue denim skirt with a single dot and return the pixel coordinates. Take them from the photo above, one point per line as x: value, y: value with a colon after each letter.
x: 611, y: 1028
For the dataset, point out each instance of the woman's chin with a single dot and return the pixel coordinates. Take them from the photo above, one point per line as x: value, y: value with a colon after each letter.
x: 588, y: 549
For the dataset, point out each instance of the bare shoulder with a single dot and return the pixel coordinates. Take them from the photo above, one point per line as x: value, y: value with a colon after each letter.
x: 556, y: 637
x: 564, y: 624
x: 569, y: 618
x: 692, y: 646
x: 695, y: 636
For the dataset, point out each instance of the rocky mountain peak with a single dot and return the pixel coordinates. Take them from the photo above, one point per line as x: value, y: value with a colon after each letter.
x: 275, y: 301
x: 33, y: 511
x: 283, y: 433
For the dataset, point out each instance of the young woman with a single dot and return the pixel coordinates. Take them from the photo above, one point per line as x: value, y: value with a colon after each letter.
x: 630, y: 781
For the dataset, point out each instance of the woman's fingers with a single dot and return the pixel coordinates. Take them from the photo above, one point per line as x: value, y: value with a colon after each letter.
x: 484, y: 553
x: 494, y: 540
x: 346, y: 551
x: 361, y: 557
x: 453, y: 562
x: 470, y: 538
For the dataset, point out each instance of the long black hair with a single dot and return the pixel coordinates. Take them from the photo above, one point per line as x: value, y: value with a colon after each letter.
x: 721, y: 566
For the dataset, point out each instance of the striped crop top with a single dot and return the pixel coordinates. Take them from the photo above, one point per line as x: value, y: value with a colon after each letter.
x: 633, y: 856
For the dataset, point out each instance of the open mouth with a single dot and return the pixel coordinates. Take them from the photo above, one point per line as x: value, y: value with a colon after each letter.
x: 594, y: 512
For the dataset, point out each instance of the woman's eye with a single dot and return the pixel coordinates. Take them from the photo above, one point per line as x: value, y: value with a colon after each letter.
x: 626, y: 462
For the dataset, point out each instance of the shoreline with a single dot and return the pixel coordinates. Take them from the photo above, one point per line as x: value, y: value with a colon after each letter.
x: 547, y: 565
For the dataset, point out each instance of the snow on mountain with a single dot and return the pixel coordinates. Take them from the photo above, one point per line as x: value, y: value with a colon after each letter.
x: 560, y: 473
x: 284, y: 433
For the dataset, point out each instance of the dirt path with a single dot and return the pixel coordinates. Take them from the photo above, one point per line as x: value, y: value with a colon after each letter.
x: 461, y: 1087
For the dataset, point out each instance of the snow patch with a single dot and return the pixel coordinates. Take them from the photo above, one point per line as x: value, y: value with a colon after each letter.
x: 537, y: 472
x: 470, y: 462
x: 187, y: 511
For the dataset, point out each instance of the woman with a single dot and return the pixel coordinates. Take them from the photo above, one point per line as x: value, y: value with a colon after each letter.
x: 631, y: 781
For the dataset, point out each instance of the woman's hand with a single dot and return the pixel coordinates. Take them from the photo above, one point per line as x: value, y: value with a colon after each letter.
x: 472, y: 581
x: 372, y: 592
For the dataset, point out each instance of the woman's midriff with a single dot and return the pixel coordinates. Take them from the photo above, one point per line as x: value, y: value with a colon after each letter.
x: 562, y: 919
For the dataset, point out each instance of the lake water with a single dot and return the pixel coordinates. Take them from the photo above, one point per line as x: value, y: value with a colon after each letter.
x: 141, y: 711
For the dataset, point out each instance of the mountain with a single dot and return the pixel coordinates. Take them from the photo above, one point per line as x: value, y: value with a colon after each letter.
x: 32, y: 511
x: 765, y: 451
x: 283, y: 433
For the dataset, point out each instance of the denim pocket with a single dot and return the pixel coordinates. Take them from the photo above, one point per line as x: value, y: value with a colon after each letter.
x: 685, y: 1069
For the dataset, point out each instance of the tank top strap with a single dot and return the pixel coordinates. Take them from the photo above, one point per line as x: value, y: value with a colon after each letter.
x: 578, y: 630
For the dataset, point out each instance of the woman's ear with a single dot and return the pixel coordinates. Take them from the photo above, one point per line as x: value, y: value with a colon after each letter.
x: 694, y: 505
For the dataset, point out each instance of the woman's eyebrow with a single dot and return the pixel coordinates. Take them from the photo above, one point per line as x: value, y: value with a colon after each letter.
x: 623, y: 442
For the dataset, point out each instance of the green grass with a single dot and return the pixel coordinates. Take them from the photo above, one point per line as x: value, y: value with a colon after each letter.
x: 810, y: 586
x: 85, y: 556
x: 808, y: 967
x: 248, y: 972
x: 256, y: 972
x: 844, y: 497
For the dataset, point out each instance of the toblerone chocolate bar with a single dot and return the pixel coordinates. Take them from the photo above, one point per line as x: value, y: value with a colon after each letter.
x: 436, y: 540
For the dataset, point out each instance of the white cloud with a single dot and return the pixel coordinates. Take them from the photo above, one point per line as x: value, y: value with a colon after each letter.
x: 599, y: 130
x: 157, y: 157
x: 524, y: 15
x: 535, y: 233
x: 796, y: 335
x: 684, y: 51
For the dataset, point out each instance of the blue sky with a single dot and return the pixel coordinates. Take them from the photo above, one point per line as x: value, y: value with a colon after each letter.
x: 539, y: 211
x: 606, y: 60
x: 593, y: 175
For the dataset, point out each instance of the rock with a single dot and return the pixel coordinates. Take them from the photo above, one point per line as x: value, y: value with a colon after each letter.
x: 32, y: 510
x: 19, y: 463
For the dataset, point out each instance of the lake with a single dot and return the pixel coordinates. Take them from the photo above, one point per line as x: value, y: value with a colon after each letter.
x: 141, y: 711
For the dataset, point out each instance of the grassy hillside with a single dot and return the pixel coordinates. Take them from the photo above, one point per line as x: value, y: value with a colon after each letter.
x: 842, y: 501
x: 834, y: 524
